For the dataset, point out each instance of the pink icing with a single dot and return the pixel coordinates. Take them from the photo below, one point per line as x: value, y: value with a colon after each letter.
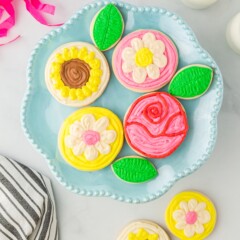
x: 155, y: 125
x: 149, y: 84
x: 91, y: 137
x: 191, y: 217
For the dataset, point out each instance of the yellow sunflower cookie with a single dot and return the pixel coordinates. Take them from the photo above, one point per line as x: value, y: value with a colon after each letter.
x: 191, y: 215
x: 76, y: 74
x: 143, y: 230
x: 91, y: 138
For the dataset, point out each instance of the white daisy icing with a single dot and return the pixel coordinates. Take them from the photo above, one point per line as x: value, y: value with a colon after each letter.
x: 144, y: 58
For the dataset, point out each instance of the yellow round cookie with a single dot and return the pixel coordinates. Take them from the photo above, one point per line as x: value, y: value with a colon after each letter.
x: 91, y: 138
x: 191, y: 215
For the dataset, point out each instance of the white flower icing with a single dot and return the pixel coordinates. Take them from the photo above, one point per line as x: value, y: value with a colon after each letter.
x: 90, y: 137
x: 191, y: 217
x: 144, y: 58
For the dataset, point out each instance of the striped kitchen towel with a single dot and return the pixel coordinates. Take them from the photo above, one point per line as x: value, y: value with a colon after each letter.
x: 27, y: 208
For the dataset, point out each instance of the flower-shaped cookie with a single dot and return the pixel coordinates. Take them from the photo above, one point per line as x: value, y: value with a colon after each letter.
x: 145, y: 60
x: 191, y: 215
x: 91, y: 138
x: 76, y: 74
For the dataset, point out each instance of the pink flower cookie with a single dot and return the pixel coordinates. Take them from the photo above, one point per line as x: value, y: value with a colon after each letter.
x: 145, y: 60
x: 155, y: 125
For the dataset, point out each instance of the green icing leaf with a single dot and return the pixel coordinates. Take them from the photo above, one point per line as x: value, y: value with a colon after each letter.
x: 191, y: 81
x: 134, y: 169
x: 108, y: 27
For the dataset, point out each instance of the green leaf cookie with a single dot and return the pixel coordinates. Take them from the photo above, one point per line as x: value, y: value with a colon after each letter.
x: 134, y: 169
x: 107, y: 27
x: 191, y: 82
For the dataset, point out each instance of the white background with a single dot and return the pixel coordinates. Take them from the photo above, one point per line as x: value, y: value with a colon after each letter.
x: 101, y: 218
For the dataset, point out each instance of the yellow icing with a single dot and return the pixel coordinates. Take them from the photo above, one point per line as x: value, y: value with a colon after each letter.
x: 144, y: 57
x: 142, y: 234
x: 103, y: 160
x: 64, y: 91
x: 95, y: 73
x: 174, y: 205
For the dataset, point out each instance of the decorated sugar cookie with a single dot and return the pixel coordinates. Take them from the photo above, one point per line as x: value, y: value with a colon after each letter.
x: 134, y: 169
x: 107, y: 27
x: 191, y: 215
x: 143, y: 230
x: 76, y: 74
x: 145, y: 60
x: 155, y: 125
x: 191, y: 82
x: 91, y: 138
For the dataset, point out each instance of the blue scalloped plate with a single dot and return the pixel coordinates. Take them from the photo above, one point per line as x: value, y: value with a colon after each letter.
x: 42, y: 115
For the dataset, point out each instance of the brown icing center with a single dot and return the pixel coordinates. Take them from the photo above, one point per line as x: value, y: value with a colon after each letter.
x: 75, y: 73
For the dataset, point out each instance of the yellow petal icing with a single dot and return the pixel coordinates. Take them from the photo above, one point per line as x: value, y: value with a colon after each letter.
x: 142, y: 234
x: 95, y: 73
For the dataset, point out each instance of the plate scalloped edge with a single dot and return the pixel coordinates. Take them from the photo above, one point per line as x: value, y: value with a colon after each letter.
x: 178, y: 176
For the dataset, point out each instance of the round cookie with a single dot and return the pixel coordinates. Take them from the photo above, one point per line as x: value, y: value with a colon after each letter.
x: 233, y: 33
x: 107, y: 27
x: 76, y: 74
x: 142, y: 230
x: 90, y: 138
x: 199, y: 4
x: 155, y: 125
x: 145, y: 60
x: 191, y: 215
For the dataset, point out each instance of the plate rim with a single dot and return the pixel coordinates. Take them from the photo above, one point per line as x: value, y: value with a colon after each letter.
x: 179, y: 175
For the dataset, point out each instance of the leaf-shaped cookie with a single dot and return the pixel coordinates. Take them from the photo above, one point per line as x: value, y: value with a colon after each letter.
x: 191, y: 82
x: 134, y: 169
x: 107, y: 27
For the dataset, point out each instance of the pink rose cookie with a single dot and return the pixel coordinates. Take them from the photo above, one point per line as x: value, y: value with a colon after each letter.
x: 155, y: 125
x: 145, y: 60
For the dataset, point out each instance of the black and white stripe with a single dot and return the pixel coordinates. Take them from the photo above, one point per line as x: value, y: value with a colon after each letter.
x: 27, y: 208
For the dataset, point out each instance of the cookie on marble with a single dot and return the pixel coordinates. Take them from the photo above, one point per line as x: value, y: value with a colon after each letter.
x: 191, y: 215
x: 155, y: 125
x: 191, y: 81
x: 76, y: 74
x: 233, y: 33
x: 107, y: 27
x: 142, y: 230
x: 199, y: 4
x: 90, y: 138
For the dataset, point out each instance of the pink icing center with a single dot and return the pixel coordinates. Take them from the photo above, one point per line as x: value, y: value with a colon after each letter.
x: 91, y: 137
x: 191, y: 217
x: 166, y: 73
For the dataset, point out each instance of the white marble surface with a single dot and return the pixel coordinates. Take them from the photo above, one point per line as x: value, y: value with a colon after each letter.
x: 101, y: 218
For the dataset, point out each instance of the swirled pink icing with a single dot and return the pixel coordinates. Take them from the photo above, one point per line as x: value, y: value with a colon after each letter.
x: 149, y: 84
x: 155, y: 125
